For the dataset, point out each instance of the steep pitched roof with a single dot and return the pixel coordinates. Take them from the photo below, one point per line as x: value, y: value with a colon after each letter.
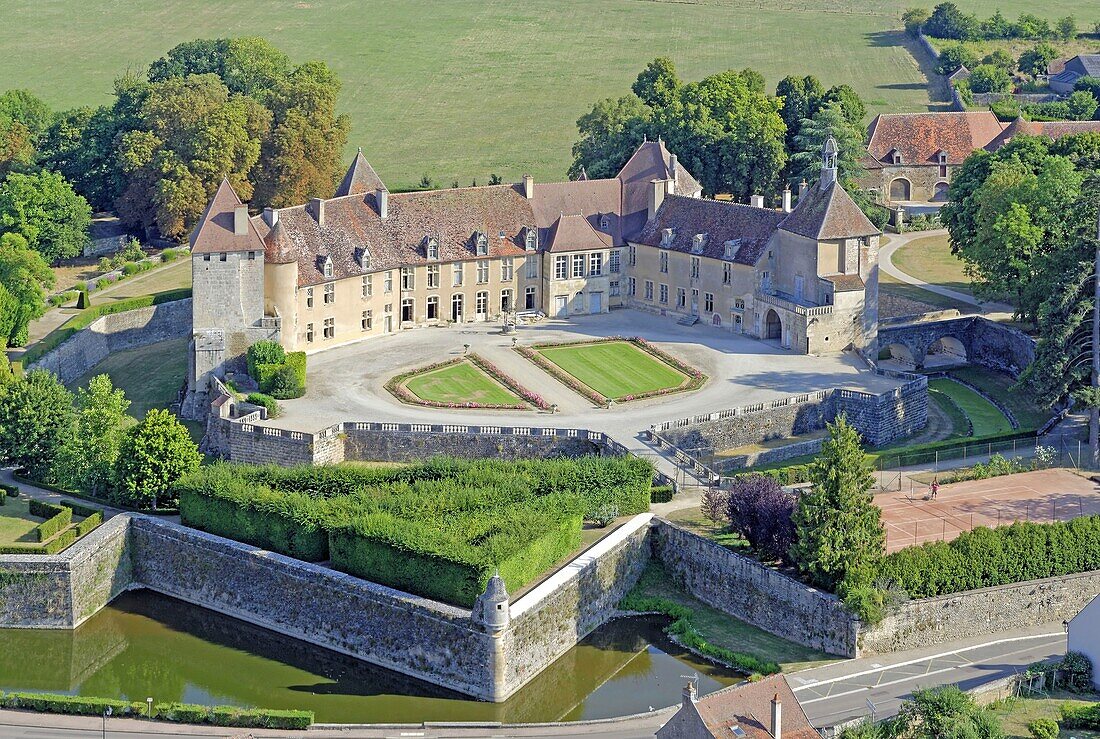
x: 828, y: 214
x: 919, y: 137
x: 720, y: 221
x: 593, y: 199
x: 650, y: 161
x: 1084, y: 64
x: 575, y: 233
x: 214, y: 232
x: 1051, y: 129
x: 360, y: 178
x: 352, y: 224
x: 749, y: 706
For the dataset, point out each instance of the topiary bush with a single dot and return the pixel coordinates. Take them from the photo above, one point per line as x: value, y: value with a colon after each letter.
x: 265, y: 401
x: 83, y: 300
x: 1043, y: 728
x: 264, y: 352
x: 284, y: 384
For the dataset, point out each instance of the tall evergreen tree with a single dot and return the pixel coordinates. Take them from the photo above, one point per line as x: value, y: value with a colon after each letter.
x: 829, y: 121
x: 838, y: 526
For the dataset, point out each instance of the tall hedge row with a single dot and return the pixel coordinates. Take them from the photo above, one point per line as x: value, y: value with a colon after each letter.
x: 438, y: 529
x: 987, y: 557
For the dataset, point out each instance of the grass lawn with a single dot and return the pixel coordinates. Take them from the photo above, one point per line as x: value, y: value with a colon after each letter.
x: 930, y: 259
x: 151, y: 376
x: 1015, y: 714
x: 949, y: 410
x: 897, y: 298
x: 460, y: 383
x: 157, y: 280
x: 693, y: 520
x: 16, y: 523
x: 985, y: 417
x: 614, y: 369
x: 998, y: 385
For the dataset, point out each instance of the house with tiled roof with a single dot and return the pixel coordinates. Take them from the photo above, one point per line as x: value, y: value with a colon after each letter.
x: 368, y: 262
x: 1082, y: 65
x: 766, y: 709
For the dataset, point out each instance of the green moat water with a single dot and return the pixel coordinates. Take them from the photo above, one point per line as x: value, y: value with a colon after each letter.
x: 146, y: 645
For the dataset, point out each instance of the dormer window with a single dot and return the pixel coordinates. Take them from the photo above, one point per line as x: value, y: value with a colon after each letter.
x: 942, y: 157
x: 895, y: 156
x: 501, y: 233
x: 481, y: 244
x: 326, y: 267
x: 364, y: 259
x: 698, y: 241
x: 532, y: 242
x: 431, y: 248
x: 605, y: 223
x: 731, y: 248
x: 667, y: 235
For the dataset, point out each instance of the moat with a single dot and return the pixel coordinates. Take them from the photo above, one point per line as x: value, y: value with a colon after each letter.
x: 147, y: 645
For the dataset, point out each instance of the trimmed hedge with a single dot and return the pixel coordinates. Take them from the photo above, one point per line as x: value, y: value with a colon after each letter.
x: 250, y: 718
x: 265, y: 401
x: 283, y: 380
x: 70, y: 704
x: 264, y: 352
x: 57, y: 518
x: 1081, y: 717
x: 438, y: 529
x: 987, y: 557
x: 89, y: 524
x: 661, y: 494
x: 80, y: 510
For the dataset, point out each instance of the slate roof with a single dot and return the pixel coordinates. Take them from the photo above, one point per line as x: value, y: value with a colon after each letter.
x: 214, y: 233
x: 590, y: 198
x: 721, y: 221
x: 846, y: 283
x: 919, y: 137
x: 360, y: 178
x: 576, y: 233
x: 828, y: 214
x: 649, y: 162
x: 1051, y: 129
x: 1084, y: 64
x: 749, y: 706
x: 452, y: 217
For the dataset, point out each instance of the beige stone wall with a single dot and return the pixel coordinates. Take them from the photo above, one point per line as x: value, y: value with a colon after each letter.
x: 922, y: 179
x: 577, y: 295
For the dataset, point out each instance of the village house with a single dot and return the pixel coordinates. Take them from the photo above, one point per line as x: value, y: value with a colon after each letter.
x: 766, y: 709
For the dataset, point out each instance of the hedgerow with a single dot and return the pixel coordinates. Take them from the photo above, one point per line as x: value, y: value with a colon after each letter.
x: 438, y: 529
x: 987, y: 557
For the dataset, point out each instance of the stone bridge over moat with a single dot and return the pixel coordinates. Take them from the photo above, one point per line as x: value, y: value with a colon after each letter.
x: 971, y: 339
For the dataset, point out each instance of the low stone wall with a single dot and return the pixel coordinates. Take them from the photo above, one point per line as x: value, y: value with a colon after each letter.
x: 769, y: 456
x: 929, y: 621
x: 746, y: 589
x: 61, y: 591
x: 115, y: 333
x: 548, y: 621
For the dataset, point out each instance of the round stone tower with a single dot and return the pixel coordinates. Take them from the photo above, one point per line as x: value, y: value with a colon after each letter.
x: 491, y: 607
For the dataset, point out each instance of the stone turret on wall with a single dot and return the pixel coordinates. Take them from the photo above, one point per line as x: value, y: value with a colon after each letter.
x: 491, y: 607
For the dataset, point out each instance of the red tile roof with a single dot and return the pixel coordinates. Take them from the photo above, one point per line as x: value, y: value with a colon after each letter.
x: 919, y: 137
x: 720, y: 221
x: 575, y: 233
x: 215, y: 234
x: 828, y: 214
x: 593, y: 199
x: 749, y: 706
x: 1050, y: 129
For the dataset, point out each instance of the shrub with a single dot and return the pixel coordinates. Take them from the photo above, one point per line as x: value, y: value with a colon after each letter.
x: 266, y: 401
x: 1043, y: 728
x: 1076, y: 671
x: 169, y: 255
x: 264, y: 352
x: 80, y: 510
x: 1081, y: 717
x: 83, y: 301
x: 70, y: 704
x: 760, y: 511
x: 152, y: 455
x: 55, y: 523
x: 131, y: 268
x: 89, y: 524
x: 661, y: 494
x: 714, y: 505
x: 284, y: 384
x: 989, y: 78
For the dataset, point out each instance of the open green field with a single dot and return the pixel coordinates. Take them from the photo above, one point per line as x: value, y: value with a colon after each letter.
x: 460, y: 383
x: 897, y: 298
x: 16, y: 523
x: 986, y: 417
x: 930, y: 259
x: 174, y: 276
x: 614, y: 369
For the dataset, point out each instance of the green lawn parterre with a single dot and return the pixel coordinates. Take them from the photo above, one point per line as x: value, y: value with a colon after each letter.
x: 16, y: 522
x: 616, y: 369
x: 461, y: 383
x: 986, y: 418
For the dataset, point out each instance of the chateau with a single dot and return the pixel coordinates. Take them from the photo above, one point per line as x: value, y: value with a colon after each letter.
x: 368, y: 262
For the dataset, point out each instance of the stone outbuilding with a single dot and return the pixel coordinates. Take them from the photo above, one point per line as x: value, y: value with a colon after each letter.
x: 766, y: 709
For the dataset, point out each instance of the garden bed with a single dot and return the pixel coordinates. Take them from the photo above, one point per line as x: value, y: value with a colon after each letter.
x: 614, y: 369
x: 464, y: 382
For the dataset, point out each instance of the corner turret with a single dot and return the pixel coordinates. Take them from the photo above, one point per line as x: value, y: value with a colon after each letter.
x: 491, y: 607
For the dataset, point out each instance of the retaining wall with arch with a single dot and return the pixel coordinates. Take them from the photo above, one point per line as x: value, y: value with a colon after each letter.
x: 971, y: 339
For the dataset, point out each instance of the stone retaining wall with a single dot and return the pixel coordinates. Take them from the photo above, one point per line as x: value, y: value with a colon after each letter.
x: 746, y: 589
x: 930, y: 621
x: 987, y: 343
x: 396, y: 446
x: 117, y: 332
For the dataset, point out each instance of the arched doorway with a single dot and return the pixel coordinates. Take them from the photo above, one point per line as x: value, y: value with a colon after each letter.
x: 900, y: 189
x: 716, y: 320
x: 773, y: 327
x: 939, y: 193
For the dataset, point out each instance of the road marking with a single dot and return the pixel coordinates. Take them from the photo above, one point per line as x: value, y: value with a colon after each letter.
x: 927, y: 658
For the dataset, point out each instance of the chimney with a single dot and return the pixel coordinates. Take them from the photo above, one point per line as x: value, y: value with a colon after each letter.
x: 673, y: 164
x: 528, y: 186
x: 757, y: 201
x: 689, y: 692
x: 803, y: 188
x: 777, y: 718
x: 317, y: 205
x: 656, y: 197
x: 787, y: 199
x: 240, y: 220
x: 271, y: 217
x: 382, y: 200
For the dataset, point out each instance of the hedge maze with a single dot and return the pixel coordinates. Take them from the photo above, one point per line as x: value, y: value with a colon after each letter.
x: 439, y: 529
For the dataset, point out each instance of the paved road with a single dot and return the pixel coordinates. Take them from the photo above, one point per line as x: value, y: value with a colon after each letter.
x: 830, y: 695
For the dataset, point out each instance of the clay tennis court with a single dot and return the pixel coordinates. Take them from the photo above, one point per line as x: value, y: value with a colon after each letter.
x: 1042, y: 497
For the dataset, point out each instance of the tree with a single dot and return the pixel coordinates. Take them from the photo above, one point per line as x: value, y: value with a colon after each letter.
x: 947, y: 21
x: 1032, y: 26
x: 838, y: 527
x: 849, y: 101
x: 86, y: 460
x: 1088, y: 84
x: 24, y: 279
x: 609, y: 134
x: 760, y: 510
x: 1082, y: 105
x: 152, y: 455
x: 16, y: 146
x: 657, y: 85
x: 988, y: 78
x: 829, y: 121
x: 913, y: 19
x: 954, y: 56
x: 44, y: 210
x: 1066, y: 28
x: 996, y: 26
x: 946, y: 713
x: 801, y: 98
x: 35, y: 419
x: 1036, y: 60
x: 1000, y: 58
x: 26, y: 108
x: 80, y: 145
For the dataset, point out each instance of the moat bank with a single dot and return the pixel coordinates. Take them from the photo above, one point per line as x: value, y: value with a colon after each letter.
x: 148, y: 645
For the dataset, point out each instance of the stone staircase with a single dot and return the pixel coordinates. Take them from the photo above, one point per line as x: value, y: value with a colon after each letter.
x: 688, y: 320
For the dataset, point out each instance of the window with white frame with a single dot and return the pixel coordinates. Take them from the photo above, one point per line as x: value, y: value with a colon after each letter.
x: 368, y: 285
x: 482, y: 271
x: 632, y: 256
x: 433, y: 276
x: 328, y: 267
x: 664, y: 262
x: 708, y: 302
x: 649, y: 289
x: 387, y: 283
x: 456, y: 274
x: 309, y: 297
x: 561, y: 267
x: 630, y: 286
x: 309, y: 333
x: 329, y: 328
x: 663, y: 293
x: 432, y: 249
x: 578, y: 265
x: 532, y: 267
x: 739, y: 303
x: 532, y: 240
x: 330, y: 292
x: 367, y: 321
x: 408, y: 278
x: 507, y: 269
x: 433, y: 308
x: 613, y: 260
x: 595, y: 264
x: 695, y: 268
x: 481, y: 303
x: 408, y: 310
x: 681, y: 297
x: 613, y: 287
x: 482, y: 245
x: 506, y: 301
x: 529, y: 295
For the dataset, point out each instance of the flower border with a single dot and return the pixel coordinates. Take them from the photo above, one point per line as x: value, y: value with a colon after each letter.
x: 396, y: 387
x: 693, y: 378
